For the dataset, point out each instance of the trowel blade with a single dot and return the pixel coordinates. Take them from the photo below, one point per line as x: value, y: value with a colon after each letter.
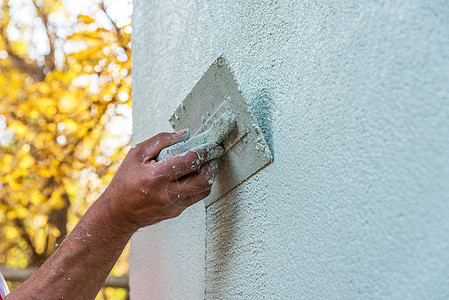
x: 246, y: 149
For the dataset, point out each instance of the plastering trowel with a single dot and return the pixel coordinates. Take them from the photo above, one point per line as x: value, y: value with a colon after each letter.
x: 215, y: 112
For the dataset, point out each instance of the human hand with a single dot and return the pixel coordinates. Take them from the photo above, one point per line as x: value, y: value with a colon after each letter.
x: 144, y: 192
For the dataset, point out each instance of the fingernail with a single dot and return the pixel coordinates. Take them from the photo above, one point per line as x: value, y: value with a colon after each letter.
x: 185, y: 133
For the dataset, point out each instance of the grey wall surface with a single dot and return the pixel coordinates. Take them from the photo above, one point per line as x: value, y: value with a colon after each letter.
x: 353, y: 99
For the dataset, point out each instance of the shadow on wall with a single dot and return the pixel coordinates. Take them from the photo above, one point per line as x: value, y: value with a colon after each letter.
x: 262, y: 111
x: 236, y: 244
x: 221, y: 218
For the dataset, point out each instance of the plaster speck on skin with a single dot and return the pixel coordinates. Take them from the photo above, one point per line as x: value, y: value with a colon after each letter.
x: 83, y: 237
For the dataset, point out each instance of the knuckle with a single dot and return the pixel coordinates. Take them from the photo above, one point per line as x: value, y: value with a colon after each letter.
x: 158, y: 179
x: 163, y: 136
x: 194, y: 157
x: 137, y: 148
x: 158, y: 175
x: 191, y: 155
x: 176, y: 162
x: 148, y: 178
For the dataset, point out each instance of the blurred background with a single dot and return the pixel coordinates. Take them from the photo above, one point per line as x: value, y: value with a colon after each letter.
x: 65, y: 123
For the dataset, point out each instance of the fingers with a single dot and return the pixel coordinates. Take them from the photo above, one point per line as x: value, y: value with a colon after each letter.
x: 195, y: 183
x: 151, y: 147
x: 181, y: 165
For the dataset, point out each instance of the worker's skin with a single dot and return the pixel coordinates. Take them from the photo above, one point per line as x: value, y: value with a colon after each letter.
x: 143, y: 192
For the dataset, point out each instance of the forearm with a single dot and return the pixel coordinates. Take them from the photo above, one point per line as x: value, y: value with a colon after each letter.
x: 142, y: 192
x: 79, y: 267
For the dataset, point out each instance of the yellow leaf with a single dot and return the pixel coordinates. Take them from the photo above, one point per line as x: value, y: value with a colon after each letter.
x: 56, y: 202
x: 5, y: 164
x: 71, y: 188
x: 11, y: 215
x: 71, y: 125
x: 11, y: 232
x: 68, y: 103
x: 26, y: 162
x: 18, y: 127
x: 36, y: 197
x: 85, y: 19
x: 22, y: 212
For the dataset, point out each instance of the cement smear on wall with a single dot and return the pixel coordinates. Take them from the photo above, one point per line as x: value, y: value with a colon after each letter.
x: 353, y: 99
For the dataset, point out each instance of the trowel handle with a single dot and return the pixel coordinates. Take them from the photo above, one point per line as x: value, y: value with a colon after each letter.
x: 217, y: 133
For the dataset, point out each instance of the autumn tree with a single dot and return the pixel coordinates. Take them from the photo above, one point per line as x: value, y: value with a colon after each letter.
x: 64, y: 103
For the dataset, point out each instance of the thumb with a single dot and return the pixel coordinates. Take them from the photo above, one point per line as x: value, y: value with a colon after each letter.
x: 151, y: 147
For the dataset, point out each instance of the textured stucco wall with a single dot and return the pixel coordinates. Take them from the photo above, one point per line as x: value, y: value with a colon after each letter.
x: 353, y: 99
